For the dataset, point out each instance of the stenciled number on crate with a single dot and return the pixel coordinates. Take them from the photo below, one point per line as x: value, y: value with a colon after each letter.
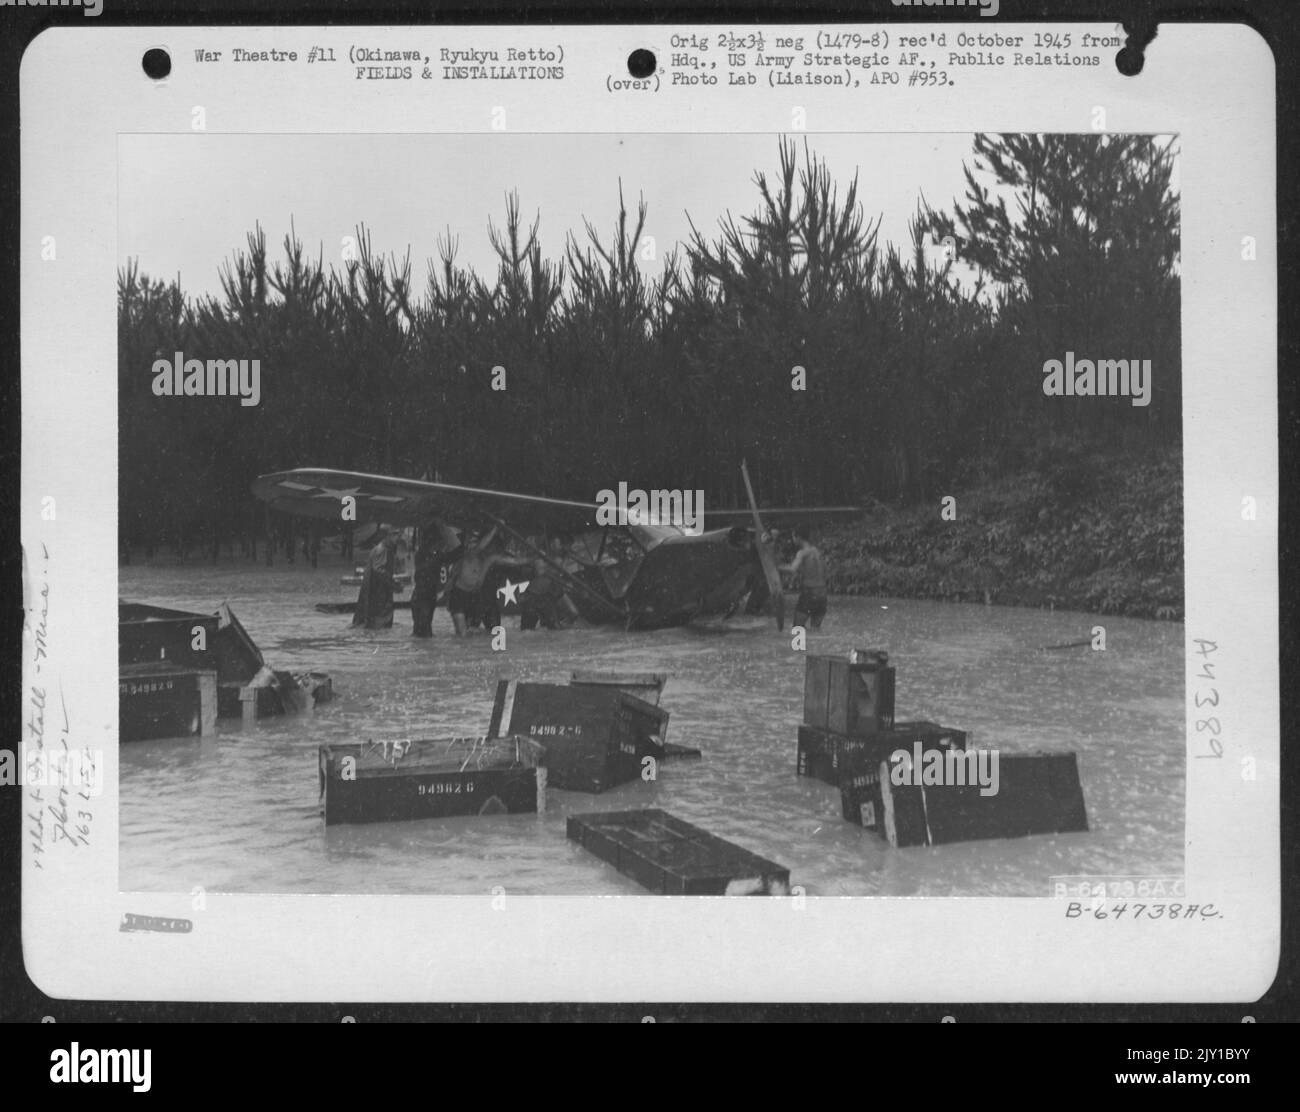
x: 439, y: 787
x: 555, y: 731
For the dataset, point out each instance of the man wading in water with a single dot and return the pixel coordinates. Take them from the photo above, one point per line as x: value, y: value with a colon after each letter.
x: 375, y: 602
x: 432, y: 570
x: 807, y: 565
x: 474, y: 566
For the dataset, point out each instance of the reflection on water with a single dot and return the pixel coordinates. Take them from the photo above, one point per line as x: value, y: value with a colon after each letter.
x: 239, y: 812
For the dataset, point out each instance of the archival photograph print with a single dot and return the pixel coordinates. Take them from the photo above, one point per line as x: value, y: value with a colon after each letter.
x: 651, y: 514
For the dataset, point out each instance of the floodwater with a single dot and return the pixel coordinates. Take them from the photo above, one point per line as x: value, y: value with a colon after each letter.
x: 239, y: 812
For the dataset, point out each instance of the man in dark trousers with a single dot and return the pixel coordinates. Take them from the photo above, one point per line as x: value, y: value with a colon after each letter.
x: 435, y: 565
x: 424, y: 590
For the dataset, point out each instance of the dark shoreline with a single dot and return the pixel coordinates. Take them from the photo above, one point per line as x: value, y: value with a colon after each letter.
x: 1100, y: 534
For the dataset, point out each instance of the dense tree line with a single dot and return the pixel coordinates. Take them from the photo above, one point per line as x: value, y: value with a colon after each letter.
x: 921, y: 364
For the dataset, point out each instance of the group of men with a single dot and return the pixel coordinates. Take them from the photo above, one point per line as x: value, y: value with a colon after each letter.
x: 459, y: 575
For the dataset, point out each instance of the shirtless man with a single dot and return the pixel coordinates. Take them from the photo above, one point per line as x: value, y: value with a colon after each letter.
x: 476, y: 562
x: 807, y: 565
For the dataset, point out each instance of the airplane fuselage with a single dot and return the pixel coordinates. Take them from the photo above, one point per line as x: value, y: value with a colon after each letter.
x: 682, y: 577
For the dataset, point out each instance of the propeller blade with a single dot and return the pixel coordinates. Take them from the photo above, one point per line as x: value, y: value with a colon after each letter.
x: 765, y: 555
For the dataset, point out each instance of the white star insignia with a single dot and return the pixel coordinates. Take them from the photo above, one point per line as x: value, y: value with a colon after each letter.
x: 508, y: 592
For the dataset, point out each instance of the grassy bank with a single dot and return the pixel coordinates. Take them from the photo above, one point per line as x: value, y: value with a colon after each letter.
x: 1070, y: 529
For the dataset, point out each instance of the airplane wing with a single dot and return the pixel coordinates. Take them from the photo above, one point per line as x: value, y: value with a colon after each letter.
x: 319, y: 492
x: 782, y: 515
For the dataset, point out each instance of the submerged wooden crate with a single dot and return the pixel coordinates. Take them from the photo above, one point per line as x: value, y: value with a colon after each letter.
x: 644, y: 685
x: 857, y: 763
x: 849, y: 696
x: 186, y: 639
x: 595, y: 737
x: 160, y: 700
x: 672, y: 857
x: 1037, y: 793
x: 824, y: 754
x: 437, y: 778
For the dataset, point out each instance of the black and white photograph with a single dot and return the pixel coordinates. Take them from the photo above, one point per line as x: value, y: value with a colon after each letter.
x: 495, y: 496
x: 814, y: 520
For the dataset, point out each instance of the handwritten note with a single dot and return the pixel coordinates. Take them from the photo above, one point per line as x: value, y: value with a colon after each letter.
x: 38, y: 618
x: 62, y: 781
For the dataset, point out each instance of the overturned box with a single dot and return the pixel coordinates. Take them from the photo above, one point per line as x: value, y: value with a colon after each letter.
x: 157, y: 700
x: 439, y: 778
x: 672, y: 857
x: 855, y: 762
x: 849, y: 694
x: 595, y: 737
x: 159, y: 634
x: 644, y: 685
x: 245, y: 686
x: 1027, y: 793
x: 824, y: 754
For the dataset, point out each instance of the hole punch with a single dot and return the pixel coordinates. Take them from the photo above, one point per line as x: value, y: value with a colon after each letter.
x: 1130, y: 59
x: 157, y: 63
x: 1129, y: 62
x: 641, y: 63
